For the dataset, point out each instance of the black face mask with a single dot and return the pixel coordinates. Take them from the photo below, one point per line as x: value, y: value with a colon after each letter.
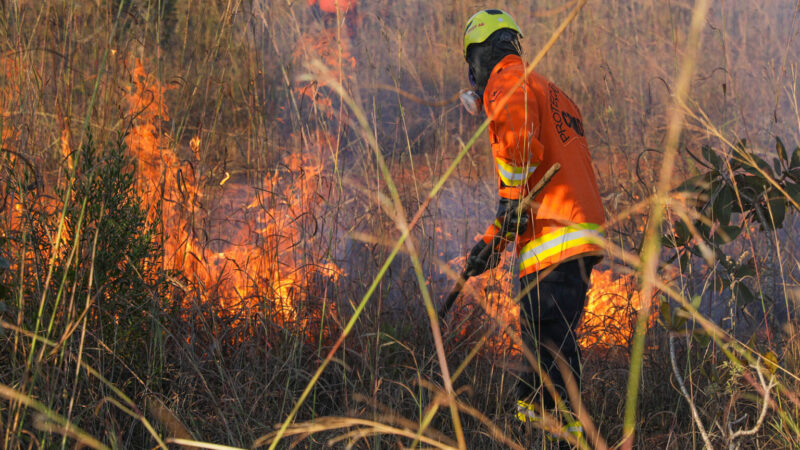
x: 484, y: 56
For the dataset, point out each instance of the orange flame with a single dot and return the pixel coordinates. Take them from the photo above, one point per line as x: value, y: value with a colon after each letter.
x: 260, y: 258
x: 9, y: 96
x: 609, y: 316
x: 608, y: 320
x: 496, y: 302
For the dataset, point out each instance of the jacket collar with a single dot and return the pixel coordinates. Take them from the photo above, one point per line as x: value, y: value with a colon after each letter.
x: 509, y: 60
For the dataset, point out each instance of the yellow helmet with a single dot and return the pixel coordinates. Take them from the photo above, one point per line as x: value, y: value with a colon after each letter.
x: 483, y: 23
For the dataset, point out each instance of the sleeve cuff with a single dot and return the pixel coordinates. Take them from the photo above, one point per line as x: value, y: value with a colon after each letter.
x: 492, y: 231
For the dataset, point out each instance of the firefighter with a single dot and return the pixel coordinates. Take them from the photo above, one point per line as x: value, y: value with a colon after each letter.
x: 533, y: 125
x: 330, y: 12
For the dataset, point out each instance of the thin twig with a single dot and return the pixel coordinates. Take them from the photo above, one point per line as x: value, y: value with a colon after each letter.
x: 685, y: 393
x: 764, y: 408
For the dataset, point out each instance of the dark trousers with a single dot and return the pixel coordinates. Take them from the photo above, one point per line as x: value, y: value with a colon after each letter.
x: 549, y: 315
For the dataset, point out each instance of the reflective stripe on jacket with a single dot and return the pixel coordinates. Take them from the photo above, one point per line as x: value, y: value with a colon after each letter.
x: 536, y: 127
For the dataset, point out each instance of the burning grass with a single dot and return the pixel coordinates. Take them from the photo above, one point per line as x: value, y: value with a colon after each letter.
x: 611, y: 305
x: 197, y: 219
x: 256, y: 256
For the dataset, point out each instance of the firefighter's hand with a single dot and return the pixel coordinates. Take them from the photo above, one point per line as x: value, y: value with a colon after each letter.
x: 512, y: 222
x: 479, y: 261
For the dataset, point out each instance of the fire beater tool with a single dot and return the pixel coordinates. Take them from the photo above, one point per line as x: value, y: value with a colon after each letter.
x: 521, y: 209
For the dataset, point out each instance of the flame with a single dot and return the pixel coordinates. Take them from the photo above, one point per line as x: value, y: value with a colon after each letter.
x: 502, y: 306
x: 609, y: 316
x: 9, y: 96
x: 496, y: 302
x: 194, y: 144
x: 260, y: 256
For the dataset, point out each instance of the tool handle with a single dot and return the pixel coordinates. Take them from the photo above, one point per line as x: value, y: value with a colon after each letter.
x: 528, y: 200
x: 523, y: 206
x: 453, y: 295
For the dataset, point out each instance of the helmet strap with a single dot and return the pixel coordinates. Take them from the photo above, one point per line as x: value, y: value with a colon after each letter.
x: 484, y: 56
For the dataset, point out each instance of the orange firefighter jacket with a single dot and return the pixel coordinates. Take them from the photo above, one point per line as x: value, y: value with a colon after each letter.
x: 331, y: 6
x: 537, y: 126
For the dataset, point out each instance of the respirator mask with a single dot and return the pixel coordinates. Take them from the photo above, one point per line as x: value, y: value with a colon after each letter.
x: 471, y: 100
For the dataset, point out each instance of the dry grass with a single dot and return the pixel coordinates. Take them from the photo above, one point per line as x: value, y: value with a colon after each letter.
x: 265, y: 235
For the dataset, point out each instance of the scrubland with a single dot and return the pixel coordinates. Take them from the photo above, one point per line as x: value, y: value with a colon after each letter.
x: 228, y: 223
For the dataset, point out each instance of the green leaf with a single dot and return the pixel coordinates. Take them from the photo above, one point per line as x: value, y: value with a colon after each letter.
x: 723, y: 277
x: 742, y: 145
x: 723, y: 204
x: 781, y: 149
x: 777, y: 206
x: 696, y: 300
x: 684, y: 260
x: 795, y: 162
x: 754, y: 182
x: 697, y: 183
x: 682, y: 234
x: 738, y: 157
x: 747, y: 269
x: 679, y: 318
x: 793, y: 190
x: 727, y: 233
x: 701, y: 337
x: 736, y: 162
x: 744, y: 296
x: 666, y: 313
x: 711, y: 156
x: 704, y: 230
x: 761, y: 165
x: 771, y: 362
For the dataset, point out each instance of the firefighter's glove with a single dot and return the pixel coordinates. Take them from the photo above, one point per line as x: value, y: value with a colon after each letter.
x: 513, y: 223
x: 479, y: 261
